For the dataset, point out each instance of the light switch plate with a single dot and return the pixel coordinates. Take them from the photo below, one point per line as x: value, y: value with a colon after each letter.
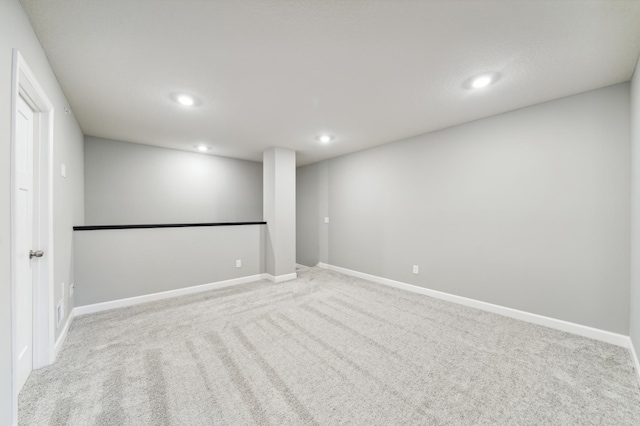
x: 63, y: 171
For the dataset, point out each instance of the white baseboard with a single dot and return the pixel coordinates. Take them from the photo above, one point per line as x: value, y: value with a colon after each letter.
x: 63, y: 335
x: 581, y: 330
x: 281, y: 278
x: 569, y: 327
x: 634, y: 358
x: 113, y: 304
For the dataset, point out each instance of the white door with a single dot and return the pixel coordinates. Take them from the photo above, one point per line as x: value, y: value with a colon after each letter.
x: 24, y: 240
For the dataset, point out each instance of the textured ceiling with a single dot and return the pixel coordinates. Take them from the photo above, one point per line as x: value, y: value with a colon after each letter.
x: 279, y: 73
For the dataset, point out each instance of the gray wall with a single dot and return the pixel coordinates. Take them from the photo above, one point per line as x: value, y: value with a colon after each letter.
x: 122, y: 263
x: 634, y: 321
x: 16, y: 32
x: 528, y: 209
x: 308, y: 215
x: 312, y: 206
x: 128, y: 183
x: 323, y: 196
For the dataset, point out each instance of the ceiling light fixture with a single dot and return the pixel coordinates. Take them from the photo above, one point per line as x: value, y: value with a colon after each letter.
x: 185, y: 100
x: 481, y: 81
x: 325, y: 138
x: 202, y: 148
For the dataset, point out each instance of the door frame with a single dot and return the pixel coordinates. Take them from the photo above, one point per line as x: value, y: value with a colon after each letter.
x: 25, y: 84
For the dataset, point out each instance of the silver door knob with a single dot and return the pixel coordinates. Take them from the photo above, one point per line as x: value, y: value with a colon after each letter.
x: 37, y: 253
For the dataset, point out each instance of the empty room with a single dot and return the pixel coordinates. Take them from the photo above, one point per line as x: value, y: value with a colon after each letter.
x: 309, y: 212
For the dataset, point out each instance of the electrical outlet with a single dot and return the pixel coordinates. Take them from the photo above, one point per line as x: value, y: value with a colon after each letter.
x: 238, y: 263
x: 326, y: 219
x: 72, y: 287
x: 416, y: 269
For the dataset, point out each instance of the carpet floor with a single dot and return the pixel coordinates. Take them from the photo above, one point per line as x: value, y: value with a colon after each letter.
x: 326, y: 349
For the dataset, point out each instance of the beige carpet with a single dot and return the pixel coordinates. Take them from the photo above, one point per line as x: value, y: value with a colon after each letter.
x: 326, y: 349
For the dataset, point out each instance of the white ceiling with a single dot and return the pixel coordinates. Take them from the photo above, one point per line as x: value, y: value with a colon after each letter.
x: 281, y: 72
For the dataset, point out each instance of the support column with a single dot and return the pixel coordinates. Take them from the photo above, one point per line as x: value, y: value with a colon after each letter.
x: 279, y: 195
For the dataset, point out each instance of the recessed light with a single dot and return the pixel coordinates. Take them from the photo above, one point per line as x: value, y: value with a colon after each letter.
x: 481, y: 81
x: 202, y: 148
x: 325, y: 138
x: 185, y: 100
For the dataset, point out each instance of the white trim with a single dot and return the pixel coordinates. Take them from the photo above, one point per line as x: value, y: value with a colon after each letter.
x: 63, y: 334
x: 281, y: 278
x: 120, y: 303
x: 605, y: 336
x: 301, y: 266
x: 286, y: 277
x: 634, y: 358
x: 569, y: 327
x: 25, y: 84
